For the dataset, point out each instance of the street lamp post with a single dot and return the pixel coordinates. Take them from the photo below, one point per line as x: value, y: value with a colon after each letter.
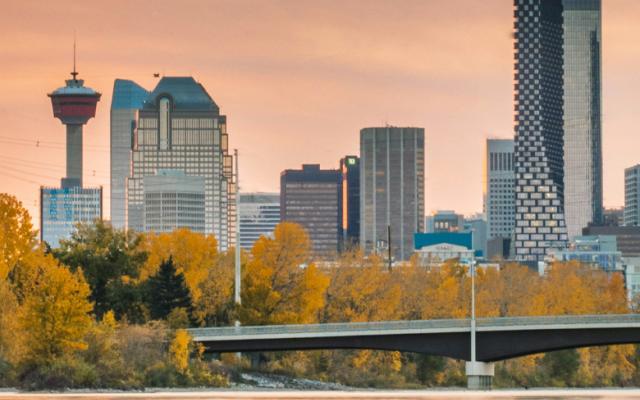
x: 479, y: 374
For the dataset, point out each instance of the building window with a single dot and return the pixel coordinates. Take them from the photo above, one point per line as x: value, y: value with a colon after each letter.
x: 164, y: 123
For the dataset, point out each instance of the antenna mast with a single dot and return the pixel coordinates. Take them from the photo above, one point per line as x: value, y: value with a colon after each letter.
x: 74, y: 73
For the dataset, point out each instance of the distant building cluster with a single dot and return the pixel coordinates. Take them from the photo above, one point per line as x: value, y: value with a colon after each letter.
x: 171, y: 167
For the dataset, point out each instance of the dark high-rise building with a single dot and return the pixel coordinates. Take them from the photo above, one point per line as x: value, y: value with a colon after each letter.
x: 311, y: 197
x: 539, y: 134
x: 582, y: 110
x: 391, y: 189
x: 350, y: 201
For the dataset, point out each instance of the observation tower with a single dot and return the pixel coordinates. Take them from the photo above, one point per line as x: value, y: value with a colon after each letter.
x: 74, y: 104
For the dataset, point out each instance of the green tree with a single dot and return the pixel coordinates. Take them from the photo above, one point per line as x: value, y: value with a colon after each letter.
x: 105, y: 255
x: 167, y: 291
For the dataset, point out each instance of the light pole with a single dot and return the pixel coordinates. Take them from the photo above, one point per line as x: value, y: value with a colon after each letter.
x: 472, y: 269
x: 237, y: 298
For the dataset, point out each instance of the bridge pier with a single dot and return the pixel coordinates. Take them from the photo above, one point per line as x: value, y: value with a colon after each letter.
x: 479, y: 375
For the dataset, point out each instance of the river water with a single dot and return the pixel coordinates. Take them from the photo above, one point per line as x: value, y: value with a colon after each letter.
x: 337, y: 395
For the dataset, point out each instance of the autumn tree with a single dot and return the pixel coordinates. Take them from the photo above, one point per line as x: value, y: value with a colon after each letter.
x: 279, y: 284
x: 55, y: 315
x: 193, y: 254
x: 105, y: 255
x: 17, y: 238
x: 215, y: 304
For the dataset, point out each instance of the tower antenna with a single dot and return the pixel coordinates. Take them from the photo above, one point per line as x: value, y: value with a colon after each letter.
x: 74, y: 73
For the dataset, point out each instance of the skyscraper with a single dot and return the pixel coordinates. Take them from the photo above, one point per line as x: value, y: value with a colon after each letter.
x: 539, y: 171
x: 632, y: 196
x: 126, y: 101
x: 180, y: 128
x: 499, y: 177
x: 173, y: 200
x: 350, y: 210
x: 311, y: 197
x: 391, y: 188
x: 61, y: 208
x: 582, y: 110
x: 259, y: 213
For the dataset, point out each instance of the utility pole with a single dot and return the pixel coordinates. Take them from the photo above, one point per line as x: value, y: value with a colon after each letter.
x: 389, y: 245
x: 237, y: 298
x: 473, y: 311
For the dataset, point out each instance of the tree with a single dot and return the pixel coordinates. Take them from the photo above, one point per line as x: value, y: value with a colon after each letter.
x: 105, y: 255
x: 17, y: 238
x: 193, y: 254
x: 55, y: 314
x: 167, y: 291
x: 279, y: 285
x: 215, y: 304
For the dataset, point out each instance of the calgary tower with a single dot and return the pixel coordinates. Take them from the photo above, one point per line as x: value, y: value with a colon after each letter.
x: 74, y: 104
x: 62, y: 208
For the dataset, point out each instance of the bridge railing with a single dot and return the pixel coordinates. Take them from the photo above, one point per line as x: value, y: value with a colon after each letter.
x: 333, y: 327
x: 560, y: 320
x: 418, y: 325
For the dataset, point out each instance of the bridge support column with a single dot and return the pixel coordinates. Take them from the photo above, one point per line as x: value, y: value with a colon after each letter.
x: 479, y: 375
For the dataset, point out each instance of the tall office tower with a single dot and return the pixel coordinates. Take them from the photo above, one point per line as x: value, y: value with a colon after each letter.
x: 259, y: 213
x: 632, y: 196
x: 62, y: 208
x: 180, y: 127
x: 311, y: 197
x: 126, y: 101
x: 391, y: 189
x: 582, y: 110
x: 173, y: 200
x: 539, y: 214
x: 499, y: 180
x: 350, y: 212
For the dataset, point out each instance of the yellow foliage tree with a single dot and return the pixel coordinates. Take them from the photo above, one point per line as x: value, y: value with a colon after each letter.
x: 10, y: 337
x: 279, y: 286
x: 193, y: 254
x: 55, y: 314
x: 361, y: 291
x: 216, y: 292
x: 17, y: 238
x: 179, y: 350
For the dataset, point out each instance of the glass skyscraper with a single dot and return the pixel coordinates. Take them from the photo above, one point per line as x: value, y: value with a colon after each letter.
x: 391, y: 189
x: 582, y: 110
x: 126, y: 101
x: 259, y: 213
x: 180, y: 128
x: 539, y: 170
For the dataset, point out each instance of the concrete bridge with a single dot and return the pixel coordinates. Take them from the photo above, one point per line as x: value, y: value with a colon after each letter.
x: 496, y: 338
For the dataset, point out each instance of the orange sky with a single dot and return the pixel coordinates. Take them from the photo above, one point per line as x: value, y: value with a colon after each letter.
x: 297, y: 80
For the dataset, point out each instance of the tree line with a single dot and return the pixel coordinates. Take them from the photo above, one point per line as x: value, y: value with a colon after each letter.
x: 108, y: 308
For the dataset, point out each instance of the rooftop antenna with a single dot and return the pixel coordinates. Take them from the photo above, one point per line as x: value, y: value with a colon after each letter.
x: 74, y: 73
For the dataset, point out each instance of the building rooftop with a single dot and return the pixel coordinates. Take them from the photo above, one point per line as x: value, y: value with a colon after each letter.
x: 186, y: 95
x: 128, y: 95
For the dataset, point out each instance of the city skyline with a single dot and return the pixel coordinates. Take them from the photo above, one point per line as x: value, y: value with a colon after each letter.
x: 329, y: 73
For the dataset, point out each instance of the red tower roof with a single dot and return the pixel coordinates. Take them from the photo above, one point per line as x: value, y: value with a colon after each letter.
x: 74, y: 103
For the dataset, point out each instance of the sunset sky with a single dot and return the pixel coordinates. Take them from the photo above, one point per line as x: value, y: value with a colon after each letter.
x: 297, y: 81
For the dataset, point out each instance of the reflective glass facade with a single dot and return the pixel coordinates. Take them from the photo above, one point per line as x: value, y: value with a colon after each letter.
x: 539, y: 186
x: 179, y: 127
x: 62, y: 208
x: 582, y: 110
x: 350, y: 210
x: 259, y: 214
x: 126, y: 101
x: 391, y: 188
x: 173, y: 200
